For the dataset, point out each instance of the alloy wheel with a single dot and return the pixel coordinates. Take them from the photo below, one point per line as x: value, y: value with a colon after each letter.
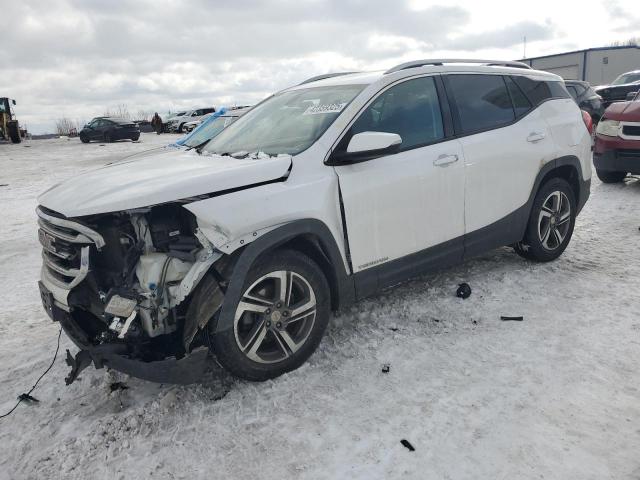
x: 275, y: 316
x: 554, y: 220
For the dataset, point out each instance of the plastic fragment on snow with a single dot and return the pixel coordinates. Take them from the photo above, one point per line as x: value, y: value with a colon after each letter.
x: 463, y: 291
x: 407, y: 445
x: 385, y: 368
x: 25, y: 397
x: 514, y: 319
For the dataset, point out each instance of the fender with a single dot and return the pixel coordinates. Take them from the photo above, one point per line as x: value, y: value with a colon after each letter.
x: 343, y: 283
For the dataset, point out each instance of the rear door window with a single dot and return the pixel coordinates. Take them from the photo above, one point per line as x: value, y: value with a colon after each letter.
x: 482, y: 102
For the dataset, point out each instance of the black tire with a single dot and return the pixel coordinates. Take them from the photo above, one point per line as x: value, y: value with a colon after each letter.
x: 227, y: 348
x: 610, y: 177
x: 135, y: 138
x: 84, y: 139
x: 534, y: 246
x: 14, y: 132
x: 180, y: 128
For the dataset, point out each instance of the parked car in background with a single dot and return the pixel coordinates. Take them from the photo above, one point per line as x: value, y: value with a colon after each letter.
x: 617, y: 148
x: 176, y: 124
x: 586, y: 98
x: 189, y: 126
x: 211, y: 127
x: 618, y: 89
x: 319, y: 196
x: 109, y: 129
x: 169, y: 117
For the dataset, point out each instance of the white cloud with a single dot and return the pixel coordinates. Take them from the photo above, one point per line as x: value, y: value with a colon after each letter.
x: 81, y: 57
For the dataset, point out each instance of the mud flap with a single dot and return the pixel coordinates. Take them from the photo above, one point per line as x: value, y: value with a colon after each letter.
x: 206, y: 302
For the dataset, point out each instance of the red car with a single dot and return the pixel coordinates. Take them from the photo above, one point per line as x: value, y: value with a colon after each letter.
x: 617, y: 148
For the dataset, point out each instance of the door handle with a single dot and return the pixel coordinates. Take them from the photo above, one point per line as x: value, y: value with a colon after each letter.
x: 444, y: 160
x: 535, y: 137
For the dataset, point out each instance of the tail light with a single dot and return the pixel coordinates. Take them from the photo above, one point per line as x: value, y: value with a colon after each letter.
x: 588, y: 122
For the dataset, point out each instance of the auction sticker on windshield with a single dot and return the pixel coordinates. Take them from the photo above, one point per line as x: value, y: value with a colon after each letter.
x: 327, y: 108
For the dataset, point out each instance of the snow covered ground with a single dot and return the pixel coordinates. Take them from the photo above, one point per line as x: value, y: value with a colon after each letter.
x: 555, y: 396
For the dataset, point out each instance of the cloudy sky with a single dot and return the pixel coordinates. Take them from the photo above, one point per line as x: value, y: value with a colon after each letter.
x: 80, y: 58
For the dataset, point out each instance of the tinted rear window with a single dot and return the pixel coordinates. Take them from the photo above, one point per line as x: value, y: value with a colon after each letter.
x: 539, y: 91
x: 482, y: 102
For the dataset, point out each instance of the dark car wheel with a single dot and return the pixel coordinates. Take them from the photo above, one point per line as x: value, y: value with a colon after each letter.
x: 610, y: 177
x: 279, y: 320
x: 551, y: 222
x: 180, y: 128
x: 84, y: 139
x: 135, y: 138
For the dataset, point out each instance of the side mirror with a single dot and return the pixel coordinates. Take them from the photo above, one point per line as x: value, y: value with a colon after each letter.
x: 367, y: 146
x: 631, y: 96
x: 373, y: 142
x: 13, y: 101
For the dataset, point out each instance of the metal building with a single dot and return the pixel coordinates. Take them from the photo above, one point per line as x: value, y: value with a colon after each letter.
x: 598, y: 66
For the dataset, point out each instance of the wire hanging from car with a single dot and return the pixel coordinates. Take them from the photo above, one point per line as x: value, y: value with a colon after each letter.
x: 27, y: 396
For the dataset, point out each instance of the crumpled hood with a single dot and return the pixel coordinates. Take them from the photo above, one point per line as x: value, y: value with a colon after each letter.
x: 624, y: 111
x: 154, y: 179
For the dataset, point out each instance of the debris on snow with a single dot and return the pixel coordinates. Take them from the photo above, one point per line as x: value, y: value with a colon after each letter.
x: 515, y: 319
x: 385, y: 368
x: 464, y: 291
x: 407, y: 445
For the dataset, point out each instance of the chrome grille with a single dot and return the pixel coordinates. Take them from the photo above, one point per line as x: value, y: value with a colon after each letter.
x: 66, y: 246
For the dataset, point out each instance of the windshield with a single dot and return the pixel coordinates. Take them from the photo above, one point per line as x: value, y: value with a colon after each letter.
x: 208, y: 131
x: 626, y: 78
x: 288, y: 122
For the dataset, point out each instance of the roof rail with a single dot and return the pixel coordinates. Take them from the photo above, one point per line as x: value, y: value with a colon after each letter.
x: 326, y: 75
x: 442, y: 61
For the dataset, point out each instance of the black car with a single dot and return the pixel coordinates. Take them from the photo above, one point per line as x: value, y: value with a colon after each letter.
x: 619, y: 88
x: 586, y: 98
x: 109, y: 129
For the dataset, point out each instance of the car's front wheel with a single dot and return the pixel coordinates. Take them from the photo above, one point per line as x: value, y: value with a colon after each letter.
x: 610, y: 177
x: 280, y: 319
x: 551, y: 222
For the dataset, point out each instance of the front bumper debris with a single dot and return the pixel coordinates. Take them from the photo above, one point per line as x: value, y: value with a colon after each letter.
x: 183, y: 371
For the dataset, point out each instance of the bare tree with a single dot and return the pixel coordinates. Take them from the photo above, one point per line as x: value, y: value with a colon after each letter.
x: 120, y: 111
x: 66, y: 126
x: 631, y: 42
x: 143, y: 115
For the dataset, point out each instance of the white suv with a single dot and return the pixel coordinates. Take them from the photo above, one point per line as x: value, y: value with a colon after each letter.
x: 319, y: 196
x: 177, y: 123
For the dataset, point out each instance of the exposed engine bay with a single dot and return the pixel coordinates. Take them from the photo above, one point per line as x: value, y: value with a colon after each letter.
x: 133, y: 287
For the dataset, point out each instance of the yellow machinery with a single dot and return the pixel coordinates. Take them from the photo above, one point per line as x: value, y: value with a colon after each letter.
x: 9, y: 128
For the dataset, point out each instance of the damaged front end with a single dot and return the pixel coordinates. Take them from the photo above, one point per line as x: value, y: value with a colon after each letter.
x: 123, y: 287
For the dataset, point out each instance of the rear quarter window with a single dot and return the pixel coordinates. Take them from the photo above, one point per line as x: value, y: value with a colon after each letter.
x: 538, y: 91
x: 482, y: 102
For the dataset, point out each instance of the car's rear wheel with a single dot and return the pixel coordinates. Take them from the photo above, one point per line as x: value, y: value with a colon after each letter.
x: 84, y: 139
x: 279, y: 320
x: 610, y: 177
x: 551, y: 222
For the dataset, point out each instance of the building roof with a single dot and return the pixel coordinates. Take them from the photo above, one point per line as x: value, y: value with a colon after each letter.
x: 595, y: 49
